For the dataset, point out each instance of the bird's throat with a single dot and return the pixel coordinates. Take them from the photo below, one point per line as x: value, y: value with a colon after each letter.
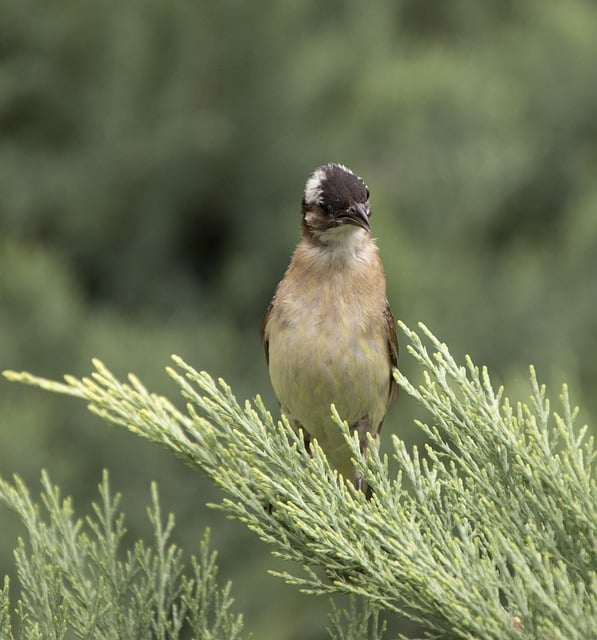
x: 340, y: 244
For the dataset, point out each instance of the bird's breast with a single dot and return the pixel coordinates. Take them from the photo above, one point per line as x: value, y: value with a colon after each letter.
x: 328, y: 344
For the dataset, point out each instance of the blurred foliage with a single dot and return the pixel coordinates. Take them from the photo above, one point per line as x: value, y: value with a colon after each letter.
x: 76, y: 581
x: 152, y: 160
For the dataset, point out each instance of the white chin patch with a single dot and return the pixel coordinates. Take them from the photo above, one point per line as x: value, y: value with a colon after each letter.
x: 345, y: 240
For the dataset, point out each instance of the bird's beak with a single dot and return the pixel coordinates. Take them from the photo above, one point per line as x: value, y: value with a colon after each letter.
x: 357, y: 215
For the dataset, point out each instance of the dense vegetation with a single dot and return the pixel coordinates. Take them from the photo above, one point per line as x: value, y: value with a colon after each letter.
x: 151, y: 167
x: 490, y: 535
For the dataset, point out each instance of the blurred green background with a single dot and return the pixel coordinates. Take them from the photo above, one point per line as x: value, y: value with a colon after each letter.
x: 152, y: 159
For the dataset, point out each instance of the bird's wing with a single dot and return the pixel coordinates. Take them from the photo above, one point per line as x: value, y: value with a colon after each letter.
x: 393, y: 348
x: 262, y: 330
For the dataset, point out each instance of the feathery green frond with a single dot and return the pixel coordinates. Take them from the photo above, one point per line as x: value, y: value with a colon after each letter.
x: 76, y: 580
x: 491, y: 533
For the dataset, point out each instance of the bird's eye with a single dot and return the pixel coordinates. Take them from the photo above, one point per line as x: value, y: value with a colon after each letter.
x: 367, y: 191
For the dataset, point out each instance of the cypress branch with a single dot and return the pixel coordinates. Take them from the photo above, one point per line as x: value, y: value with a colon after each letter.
x: 491, y: 534
x: 75, y: 580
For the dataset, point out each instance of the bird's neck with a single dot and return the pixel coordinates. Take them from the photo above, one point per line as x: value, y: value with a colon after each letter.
x: 340, y: 278
x: 340, y: 246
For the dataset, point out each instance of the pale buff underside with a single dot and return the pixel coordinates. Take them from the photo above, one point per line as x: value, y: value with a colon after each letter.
x: 328, y: 339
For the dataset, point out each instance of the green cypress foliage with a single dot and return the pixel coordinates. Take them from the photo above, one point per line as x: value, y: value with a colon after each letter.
x: 491, y: 533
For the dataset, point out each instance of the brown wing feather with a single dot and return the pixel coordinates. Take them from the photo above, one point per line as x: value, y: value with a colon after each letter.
x: 264, y: 340
x: 393, y: 348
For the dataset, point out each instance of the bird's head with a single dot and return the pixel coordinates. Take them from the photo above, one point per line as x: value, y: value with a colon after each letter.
x: 336, y: 201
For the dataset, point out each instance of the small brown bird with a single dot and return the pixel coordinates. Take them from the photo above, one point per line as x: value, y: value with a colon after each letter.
x: 329, y: 333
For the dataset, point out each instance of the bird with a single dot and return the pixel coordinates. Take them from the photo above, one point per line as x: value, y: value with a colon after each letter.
x: 329, y: 333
